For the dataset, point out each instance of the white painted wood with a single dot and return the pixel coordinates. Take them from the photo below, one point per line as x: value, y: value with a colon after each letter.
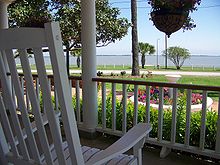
x: 203, y: 121
x: 19, y: 160
x: 116, y: 160
x: 174, y: 110
x: 8, y: 131
x: 46, y: 94
x: 7, y: 70
x: 88, y: 38
x: 217, y: 145
x: 54, y: 40
x: 35, y: 104
x: 70, y: 85
x: 113, y: 106
x: 4, y: 14
x: 24, y: 111
x: 103, y: 106
x: 147, y: 106
x: 165, y: 151
x: 89, y: 153
x: 78, y: 102
x: 132, y: 137
x: 4, y: 149
x: 183, y: 147
x: 137, y: 150
x: 188, y: 116
x: 128, y: 160
x: 160, y: 115
x: 23, y: 35
x: 12, y: 109
x: 124, y: 112
x: 135, y: 119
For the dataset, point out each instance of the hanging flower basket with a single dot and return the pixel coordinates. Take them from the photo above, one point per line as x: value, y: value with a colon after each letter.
x: 171, y: 15
x: 169, y: 22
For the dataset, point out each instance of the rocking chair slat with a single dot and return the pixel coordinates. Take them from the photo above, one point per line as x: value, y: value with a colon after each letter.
x: 54, y: 39
x: 12, y: 109
x: 7, y: 128
x: 24, y: 113
x: 35, y: 104
x: 48, y: 104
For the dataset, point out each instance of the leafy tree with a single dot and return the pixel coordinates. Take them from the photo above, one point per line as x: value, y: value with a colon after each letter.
x: 68, y: 12
x: 29, y: 13
x: 145, y: 48
x: 134, y: 33
x: 177, y: 55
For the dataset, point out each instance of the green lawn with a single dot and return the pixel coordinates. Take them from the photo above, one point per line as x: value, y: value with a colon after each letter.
x: 128, y: 67
x: 197, y: 80
x: 170, y: 68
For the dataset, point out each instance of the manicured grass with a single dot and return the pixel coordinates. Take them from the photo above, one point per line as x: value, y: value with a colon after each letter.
x: 147, y: 68
x: 170, y: 68
x: 196, y: 80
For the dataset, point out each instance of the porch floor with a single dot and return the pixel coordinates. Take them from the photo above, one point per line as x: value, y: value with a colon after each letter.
x: 150, y: 154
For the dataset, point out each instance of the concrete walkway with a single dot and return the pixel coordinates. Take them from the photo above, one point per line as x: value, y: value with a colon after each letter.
x: 154, y: 72
x: 157, y: 72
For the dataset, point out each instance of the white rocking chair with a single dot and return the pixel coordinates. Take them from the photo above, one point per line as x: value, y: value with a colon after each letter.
x: 26, y: 142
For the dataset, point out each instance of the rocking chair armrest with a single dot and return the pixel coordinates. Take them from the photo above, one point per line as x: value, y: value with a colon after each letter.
x: 126, y: 142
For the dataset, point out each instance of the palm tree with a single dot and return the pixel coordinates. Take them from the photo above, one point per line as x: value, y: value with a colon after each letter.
x: 135, y: 60
x: 145, y: 48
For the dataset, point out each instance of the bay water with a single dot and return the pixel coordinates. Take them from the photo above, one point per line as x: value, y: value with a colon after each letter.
x: 193, y: 61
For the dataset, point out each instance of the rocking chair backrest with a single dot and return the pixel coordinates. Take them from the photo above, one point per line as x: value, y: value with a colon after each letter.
x: 19, y: 149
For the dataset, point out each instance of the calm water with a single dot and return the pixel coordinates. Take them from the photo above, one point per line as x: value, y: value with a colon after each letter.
x: 195, y: 60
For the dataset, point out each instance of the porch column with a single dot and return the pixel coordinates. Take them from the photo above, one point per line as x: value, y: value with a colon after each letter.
x: 3, y: 14
x: 89, y: 65
x: 4, y: 25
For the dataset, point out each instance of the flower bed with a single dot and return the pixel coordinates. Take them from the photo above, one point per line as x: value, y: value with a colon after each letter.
x: 154, y: 99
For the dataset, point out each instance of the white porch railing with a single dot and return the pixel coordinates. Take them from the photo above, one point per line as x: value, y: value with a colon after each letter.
x: 159, y: 139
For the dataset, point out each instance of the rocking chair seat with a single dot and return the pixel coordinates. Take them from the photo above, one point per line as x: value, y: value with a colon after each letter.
x: 89, y: 152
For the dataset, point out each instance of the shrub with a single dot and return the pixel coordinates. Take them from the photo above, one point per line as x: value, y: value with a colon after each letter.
x: 99, y: 73
x: 195, y: 125
x: 123, y: 73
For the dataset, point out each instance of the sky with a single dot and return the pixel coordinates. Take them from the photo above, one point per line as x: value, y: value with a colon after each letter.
x: 202, y: 40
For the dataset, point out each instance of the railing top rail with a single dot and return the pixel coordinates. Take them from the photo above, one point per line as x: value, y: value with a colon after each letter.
x: 51, y: 76
x: 161, y: 84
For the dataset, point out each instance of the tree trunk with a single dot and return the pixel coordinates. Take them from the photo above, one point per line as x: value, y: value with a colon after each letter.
x: 78, y: 61
x: 143, y: 61
x: 135, y: 60
x: 178, y: 67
